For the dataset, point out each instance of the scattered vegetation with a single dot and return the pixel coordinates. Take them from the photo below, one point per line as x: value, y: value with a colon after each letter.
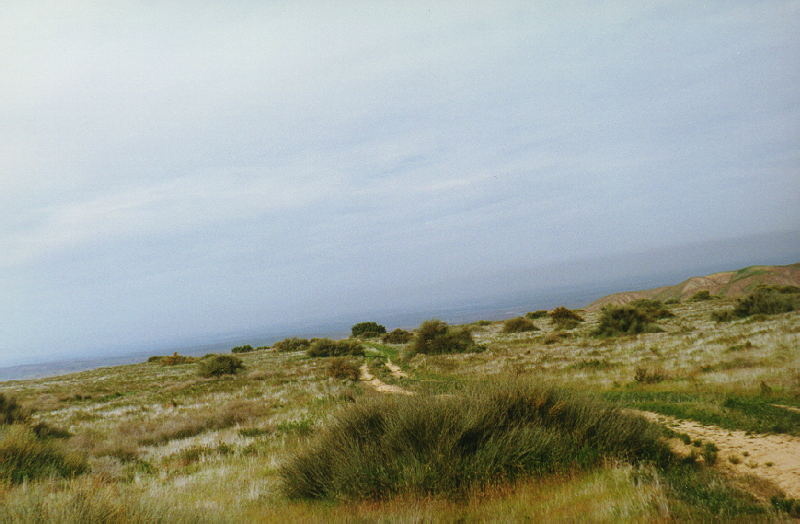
x: 219, y: 365
x: 650, y: 376
x: 325, y: 347
x: 436, y: 337
x: 367, y: 330
x: 397, y: 336
x: 518, y: 325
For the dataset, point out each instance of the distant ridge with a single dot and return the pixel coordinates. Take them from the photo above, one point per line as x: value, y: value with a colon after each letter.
x: 727, y: 284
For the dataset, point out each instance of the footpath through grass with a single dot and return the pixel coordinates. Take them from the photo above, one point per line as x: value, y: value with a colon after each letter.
x: 755, y: 414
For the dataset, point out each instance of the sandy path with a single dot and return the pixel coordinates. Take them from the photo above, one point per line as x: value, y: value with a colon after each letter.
x: 395, y: 369
x: 379, y: 385
x: 781, y: 451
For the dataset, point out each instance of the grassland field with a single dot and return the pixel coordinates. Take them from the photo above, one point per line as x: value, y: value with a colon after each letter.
x: 162, y: 444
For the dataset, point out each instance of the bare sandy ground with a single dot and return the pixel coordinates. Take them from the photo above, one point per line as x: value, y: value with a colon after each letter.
x: 379, y: 385
x: 395, y: 369
x: 772, y: 457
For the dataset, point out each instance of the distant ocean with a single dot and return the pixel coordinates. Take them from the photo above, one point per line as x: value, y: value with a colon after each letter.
x: 576, y: 296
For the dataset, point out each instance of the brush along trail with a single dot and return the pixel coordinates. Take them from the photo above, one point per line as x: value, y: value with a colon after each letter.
x: 775, y: 458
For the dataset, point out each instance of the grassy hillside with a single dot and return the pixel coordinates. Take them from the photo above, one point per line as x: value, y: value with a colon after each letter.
x: 542, y: 424
x: 729, y: 284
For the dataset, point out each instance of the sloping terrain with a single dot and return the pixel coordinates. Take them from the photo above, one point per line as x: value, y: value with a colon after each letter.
x: 726, y: 284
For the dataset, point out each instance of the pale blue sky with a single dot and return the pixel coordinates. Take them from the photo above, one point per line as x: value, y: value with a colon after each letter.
x: 169, y: 170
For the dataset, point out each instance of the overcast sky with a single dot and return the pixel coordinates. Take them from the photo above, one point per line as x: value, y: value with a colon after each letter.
x: 169, y: 170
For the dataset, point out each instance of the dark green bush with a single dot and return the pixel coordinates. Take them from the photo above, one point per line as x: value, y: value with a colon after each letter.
x: 219, y: 365
x: 484, y: 434
x: 768, y: 300
x: 247, y: 348
x: 397, y: 336
x: 367, y: 329
x: 436, y: 337
x: 155, y: 358
x: 325, y: 347
x: 623, y: 320
x: 518, y: 325
x: 701, y: 295
x: 11, y: 412
x: 343, y: 369
x: 292, y: 344
x: 654, y: 309
x: 564, y: 318
x: 723, y: 315
x: 533, y: 315
x: 24, y: 457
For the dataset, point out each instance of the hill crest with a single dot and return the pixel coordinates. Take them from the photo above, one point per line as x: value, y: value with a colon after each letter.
x: 725, y: 283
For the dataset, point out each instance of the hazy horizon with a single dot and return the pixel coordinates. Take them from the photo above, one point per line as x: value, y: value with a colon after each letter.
x: 169, y: 173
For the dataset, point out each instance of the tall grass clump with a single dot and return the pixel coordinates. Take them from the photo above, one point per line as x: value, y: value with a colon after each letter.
x: 25, y: 457
x: 624, y: 320
x: 11, y: 412
x: 518, y: 325
x: 533, y: 315
x: 564, y: 318
x: 448, y: 445
x: 325, y: 347
x: 435, y: 337
x: 247, y: 348
x: 219, y: 365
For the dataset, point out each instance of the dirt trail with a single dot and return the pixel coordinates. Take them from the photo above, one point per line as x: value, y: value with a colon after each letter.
x: 788, y: 408
x: 782, y: 452
x: 379, y: 385
x: 395, y: 369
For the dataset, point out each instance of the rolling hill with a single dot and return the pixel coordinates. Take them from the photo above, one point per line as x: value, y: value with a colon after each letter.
x: 727, y: 284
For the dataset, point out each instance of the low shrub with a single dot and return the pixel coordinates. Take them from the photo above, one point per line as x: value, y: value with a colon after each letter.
x: 564, y: 318
x: 484, y: 434
x: 176, y: 360
x: 343, y: 369
x: 701, y: 296
x: 325, y: 347
x: 247, y: 348
x: 654, y: 309
x: 367, y: 329
x: 623, y: 320
x: 292, y: 344
x: 650, y: 376
x: 219, y: 365
x: 435, y: 337
x: 723, y: 315
x: 533, y: 315
x: 155, y: 358
x: 518, y: 325
x: 24, y: 457
x: 397, y: 336
x: 768, y: 300
x: 11, y: 412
